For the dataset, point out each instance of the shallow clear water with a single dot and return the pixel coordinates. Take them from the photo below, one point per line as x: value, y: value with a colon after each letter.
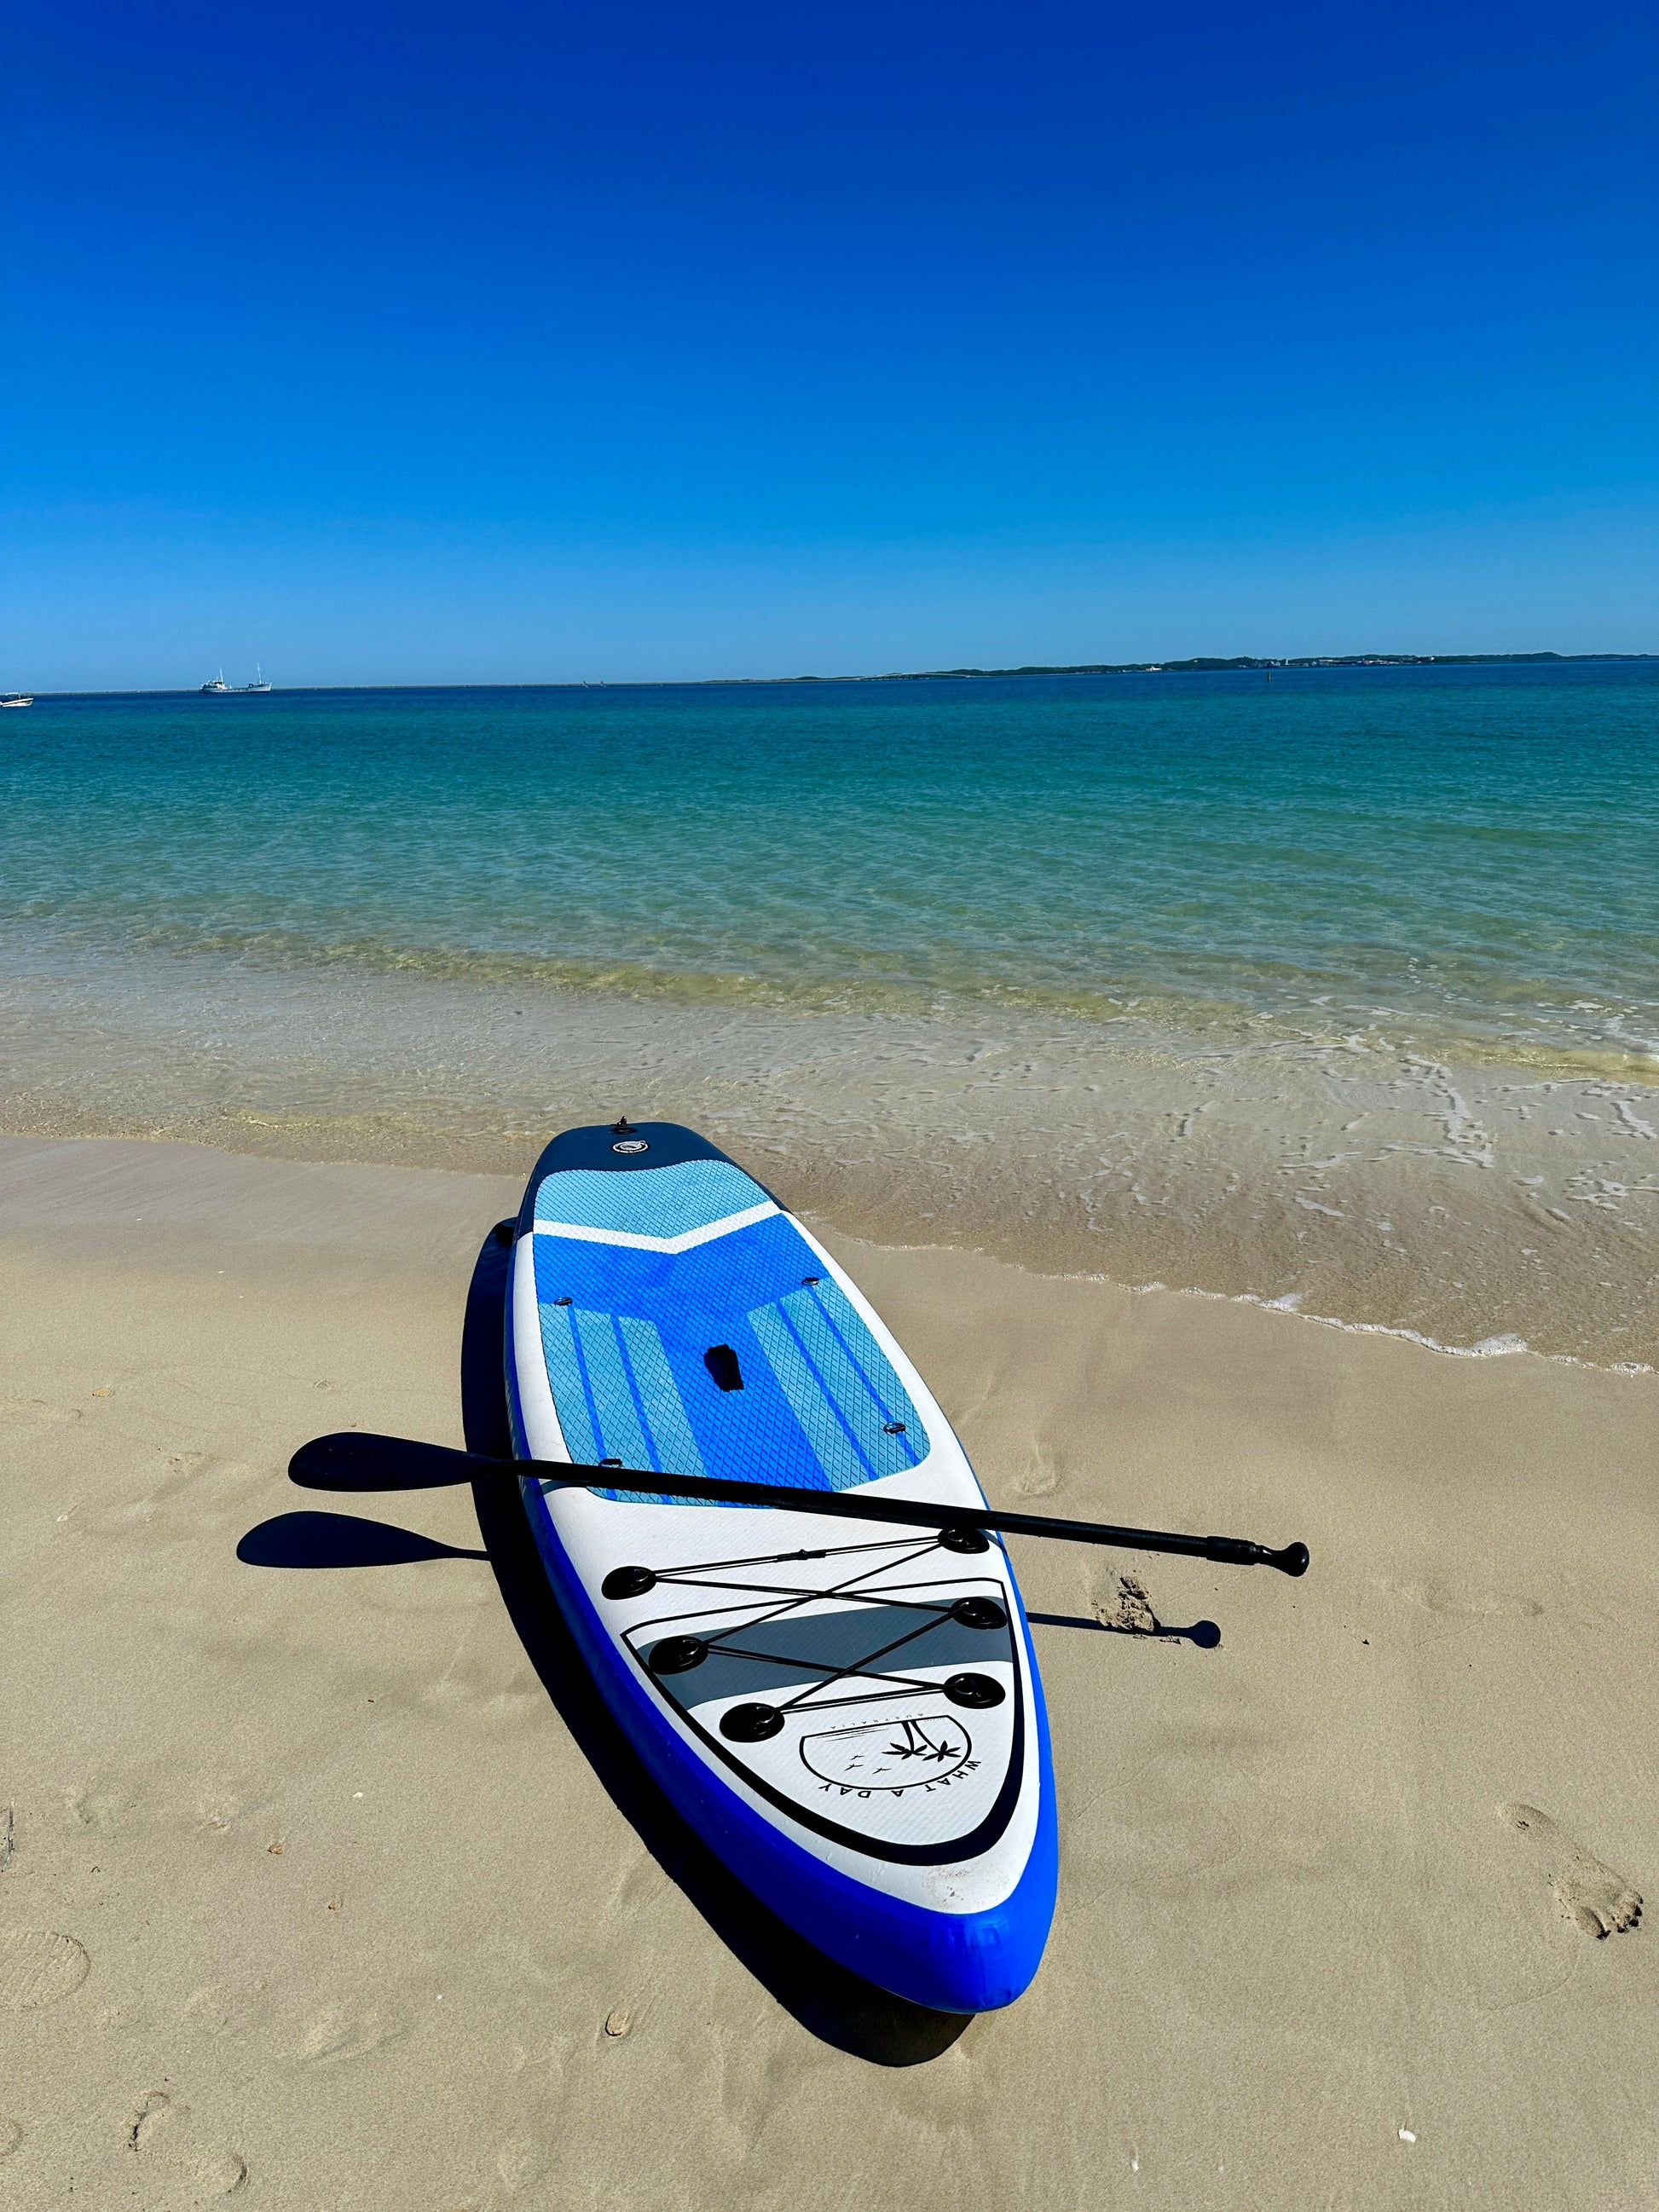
x: 1475, y: 850
x: 1340, y: 989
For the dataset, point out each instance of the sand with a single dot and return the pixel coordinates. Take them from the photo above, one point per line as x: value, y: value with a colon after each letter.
x: 324, y: 1885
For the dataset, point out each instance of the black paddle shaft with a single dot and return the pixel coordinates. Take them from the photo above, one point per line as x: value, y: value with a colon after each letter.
x: 351, y: 1460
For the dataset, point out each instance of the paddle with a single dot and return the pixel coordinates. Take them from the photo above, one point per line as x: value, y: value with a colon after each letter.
x: 353, y: 1461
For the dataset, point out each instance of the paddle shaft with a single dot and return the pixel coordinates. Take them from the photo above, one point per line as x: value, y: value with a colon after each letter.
x: 327, y: 1463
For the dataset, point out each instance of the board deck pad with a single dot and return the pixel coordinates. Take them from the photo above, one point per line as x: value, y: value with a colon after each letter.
x: 633, y: 1299
x: 868, y: 1701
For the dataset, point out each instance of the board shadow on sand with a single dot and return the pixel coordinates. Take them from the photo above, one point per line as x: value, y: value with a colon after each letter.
x: 837, y: 2006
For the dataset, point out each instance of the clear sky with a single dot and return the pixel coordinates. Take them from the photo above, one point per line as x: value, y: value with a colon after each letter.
x: 524, y: 342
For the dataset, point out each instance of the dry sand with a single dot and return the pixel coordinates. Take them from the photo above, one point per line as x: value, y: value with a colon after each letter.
x: 325, y: 1887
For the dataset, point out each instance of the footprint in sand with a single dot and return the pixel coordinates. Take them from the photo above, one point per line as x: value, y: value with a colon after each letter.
x: 1593, y: 1897
x: 184, y: 1470
x: 156, y: 2111
x: 158, y: 2128
x: 37, y: 1409
x: 1464, y: 1605
x: 221, y: 2174
x: 520, y: 2161
x: 340, y: 2032
x: 227, y: 2007
x: 1040, y: 1479
x: 1128, y: 1608
x: 38, y: 1967
x: 93, y: 1807
x: 10, y: 2136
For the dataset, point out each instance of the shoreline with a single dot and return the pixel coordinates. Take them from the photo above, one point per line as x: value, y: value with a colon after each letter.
x: 1377, y: 1186
x: 1291, y: 1307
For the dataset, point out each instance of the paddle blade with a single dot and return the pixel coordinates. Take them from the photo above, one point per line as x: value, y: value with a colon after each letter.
x: 353, y: 1460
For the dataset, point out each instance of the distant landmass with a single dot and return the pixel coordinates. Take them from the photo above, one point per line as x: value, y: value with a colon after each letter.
x: 1209, y: 664
x: 1200, y: 664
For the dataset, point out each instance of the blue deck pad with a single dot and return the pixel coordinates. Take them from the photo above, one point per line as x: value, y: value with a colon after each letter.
x: 659, y: 1202
x: 625, y: 1358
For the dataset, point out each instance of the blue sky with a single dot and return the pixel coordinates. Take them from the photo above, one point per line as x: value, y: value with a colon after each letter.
x: 535, y: 342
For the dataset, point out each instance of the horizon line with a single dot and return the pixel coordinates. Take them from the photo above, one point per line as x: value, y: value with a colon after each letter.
x: 1200, y: 665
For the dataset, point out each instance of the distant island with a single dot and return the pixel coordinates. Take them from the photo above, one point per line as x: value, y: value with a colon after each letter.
x: 1204, y: 664
x: 1199, y: 665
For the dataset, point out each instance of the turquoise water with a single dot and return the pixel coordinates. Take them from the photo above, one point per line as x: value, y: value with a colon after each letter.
x: 1472, y: 852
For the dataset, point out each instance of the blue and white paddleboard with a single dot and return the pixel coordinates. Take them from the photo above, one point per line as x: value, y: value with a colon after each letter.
x: 848, y: 1713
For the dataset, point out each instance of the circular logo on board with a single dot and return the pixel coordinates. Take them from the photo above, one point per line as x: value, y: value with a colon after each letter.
x: 631, y: 1145
x: 889, y: 1754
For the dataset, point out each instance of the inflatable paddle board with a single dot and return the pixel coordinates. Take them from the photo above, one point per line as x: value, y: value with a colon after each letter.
x: 848, y: 1713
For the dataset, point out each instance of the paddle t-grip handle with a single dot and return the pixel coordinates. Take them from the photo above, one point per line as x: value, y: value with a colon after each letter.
x: 1237, y: 1552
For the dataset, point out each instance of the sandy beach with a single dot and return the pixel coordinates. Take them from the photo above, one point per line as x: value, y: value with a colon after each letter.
x: 795, y: 759
x: 324, y: 1885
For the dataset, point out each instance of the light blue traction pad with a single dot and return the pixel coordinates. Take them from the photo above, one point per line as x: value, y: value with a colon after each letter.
x: 649, y: 1201
x: 625, y: 1357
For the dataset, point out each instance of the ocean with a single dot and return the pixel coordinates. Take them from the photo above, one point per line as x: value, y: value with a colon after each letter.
x: 1341, y: 992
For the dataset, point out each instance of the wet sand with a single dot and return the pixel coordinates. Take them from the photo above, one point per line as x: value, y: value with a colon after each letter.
x: 1372, y: 1176
x: 326, y: 1886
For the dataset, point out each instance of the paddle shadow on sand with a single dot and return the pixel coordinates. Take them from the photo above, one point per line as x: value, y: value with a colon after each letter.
x: 839, y: 2007
x: 1204, y: 1633
x: 340, y: 1539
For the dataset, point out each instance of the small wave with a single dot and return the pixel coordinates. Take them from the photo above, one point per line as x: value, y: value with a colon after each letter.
x: 1503, y: 1346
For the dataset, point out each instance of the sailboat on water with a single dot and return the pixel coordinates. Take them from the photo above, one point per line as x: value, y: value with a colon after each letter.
x: 258, y: 683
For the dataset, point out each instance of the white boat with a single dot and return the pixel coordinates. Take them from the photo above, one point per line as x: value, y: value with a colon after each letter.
x: 19, y: 698
x: 258, y: 683
x: 218, y: 683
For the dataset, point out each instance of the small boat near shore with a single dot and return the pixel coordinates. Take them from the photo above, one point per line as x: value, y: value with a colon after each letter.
x: 19, y: 698
x: 219, y: 689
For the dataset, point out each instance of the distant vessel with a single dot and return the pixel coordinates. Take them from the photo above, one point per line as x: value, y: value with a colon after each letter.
x: 218, y: 683
x: 19, y: 698
x: 258, y: 683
